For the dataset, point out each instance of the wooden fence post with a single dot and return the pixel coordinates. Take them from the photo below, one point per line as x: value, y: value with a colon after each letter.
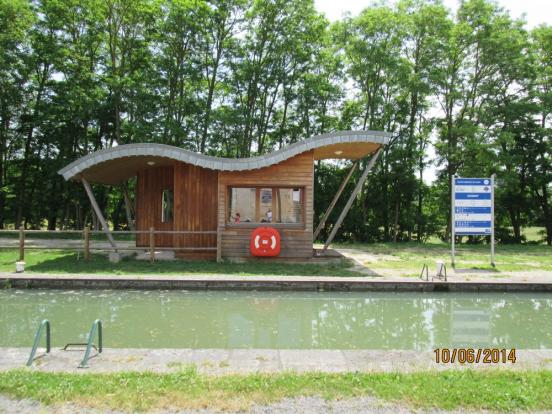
x: 152, y: 244
x: 87, y: 243
x: 219, y: 244
x: 21, y: 243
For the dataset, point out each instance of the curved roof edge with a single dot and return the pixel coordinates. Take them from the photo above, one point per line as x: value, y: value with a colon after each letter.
x: 222, y: 164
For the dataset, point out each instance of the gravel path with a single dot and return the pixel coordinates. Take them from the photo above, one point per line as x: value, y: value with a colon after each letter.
x: 301, y: 405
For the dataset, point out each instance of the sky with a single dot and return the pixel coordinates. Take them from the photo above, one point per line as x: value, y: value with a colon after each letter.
x: 535, y: 12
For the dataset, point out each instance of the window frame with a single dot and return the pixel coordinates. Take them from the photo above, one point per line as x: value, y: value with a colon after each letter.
x: 170, y: 196
x: 302, y: 225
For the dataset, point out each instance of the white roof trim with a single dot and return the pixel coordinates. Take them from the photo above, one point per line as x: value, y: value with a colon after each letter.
x: 217, y: 163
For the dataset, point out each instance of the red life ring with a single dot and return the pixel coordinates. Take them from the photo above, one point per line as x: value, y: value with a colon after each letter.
x: 265, y: 242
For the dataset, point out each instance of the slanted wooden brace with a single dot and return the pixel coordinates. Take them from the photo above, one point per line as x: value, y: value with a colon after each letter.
x: 355, y: 192
x: 98, y: 212
x: 334, y: 201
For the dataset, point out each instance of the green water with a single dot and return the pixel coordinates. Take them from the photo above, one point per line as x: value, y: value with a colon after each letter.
x: 203, y: 319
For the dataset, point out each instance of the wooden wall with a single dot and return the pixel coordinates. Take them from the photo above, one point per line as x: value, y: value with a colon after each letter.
x: 149, y: 189
x: 201, y: 204
x: 195, y: 206
x: 295, y: 172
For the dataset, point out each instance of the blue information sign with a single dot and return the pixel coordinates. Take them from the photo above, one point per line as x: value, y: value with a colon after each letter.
x: 473, y: 208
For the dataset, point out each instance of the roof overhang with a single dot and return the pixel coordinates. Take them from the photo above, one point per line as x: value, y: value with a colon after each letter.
x: 117, y: 164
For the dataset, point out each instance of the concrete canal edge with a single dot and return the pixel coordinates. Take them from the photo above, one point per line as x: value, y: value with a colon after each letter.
x: 260, y: 283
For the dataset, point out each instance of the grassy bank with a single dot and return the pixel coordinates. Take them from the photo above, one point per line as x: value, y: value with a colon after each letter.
x: 407, y: 258
x: 492, y: 390
x: 400, y: 259
x: 56, y: 261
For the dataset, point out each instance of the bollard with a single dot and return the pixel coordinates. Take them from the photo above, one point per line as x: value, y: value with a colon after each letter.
x: 152, y: 245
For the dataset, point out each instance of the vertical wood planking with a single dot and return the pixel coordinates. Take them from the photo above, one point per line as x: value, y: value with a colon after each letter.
x: 149, y: 191
x: 195, y: 195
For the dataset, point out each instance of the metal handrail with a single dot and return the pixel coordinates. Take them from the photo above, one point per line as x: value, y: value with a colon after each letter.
x: 96, y: 325
x: 426, y: 268
x: 38, y: 335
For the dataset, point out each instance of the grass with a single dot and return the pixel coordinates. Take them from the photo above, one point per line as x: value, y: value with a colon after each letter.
x: 400, y: 259
x: 56, y: 261
x: 407, y: 258
x: 186, y: 389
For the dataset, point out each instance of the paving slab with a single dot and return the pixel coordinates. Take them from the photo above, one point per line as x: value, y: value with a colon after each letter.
x: 248, y: 361
x: 331, y: 360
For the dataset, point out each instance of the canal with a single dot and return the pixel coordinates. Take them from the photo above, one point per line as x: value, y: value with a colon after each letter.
x: 282, y: 320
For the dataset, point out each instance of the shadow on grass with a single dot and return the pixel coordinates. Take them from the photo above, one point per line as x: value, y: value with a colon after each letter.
x: 475, y: 269
x: 70, y: 263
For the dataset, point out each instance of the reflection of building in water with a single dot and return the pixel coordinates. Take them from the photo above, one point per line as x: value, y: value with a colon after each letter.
x: 470, y: 327
x: 278, y: 331
x: 268, y: 323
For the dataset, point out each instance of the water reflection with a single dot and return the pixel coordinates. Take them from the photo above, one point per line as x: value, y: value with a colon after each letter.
x: 376, y: 320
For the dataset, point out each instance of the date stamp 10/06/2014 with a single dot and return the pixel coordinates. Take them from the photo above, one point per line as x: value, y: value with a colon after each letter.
x: 474, y: 356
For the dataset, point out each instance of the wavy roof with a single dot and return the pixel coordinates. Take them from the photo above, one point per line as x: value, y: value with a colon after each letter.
x: 116, y: 164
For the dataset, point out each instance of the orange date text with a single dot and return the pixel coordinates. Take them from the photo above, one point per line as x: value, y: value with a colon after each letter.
x: 474, y: 356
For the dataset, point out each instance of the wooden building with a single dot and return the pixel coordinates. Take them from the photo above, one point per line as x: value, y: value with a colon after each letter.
x: 209, y: 206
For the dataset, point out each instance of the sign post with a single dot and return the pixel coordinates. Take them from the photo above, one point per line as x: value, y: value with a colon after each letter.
x: 472, y: 209
x: 492, y: 221
x: 452, y: 215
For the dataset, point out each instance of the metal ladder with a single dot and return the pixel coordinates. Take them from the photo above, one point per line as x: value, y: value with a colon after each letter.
x: 96, y: 327
x: 440, y: 275
x: 44, y: 323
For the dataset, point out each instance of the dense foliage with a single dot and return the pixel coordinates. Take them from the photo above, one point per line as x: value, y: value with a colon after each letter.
x: 236, y: 78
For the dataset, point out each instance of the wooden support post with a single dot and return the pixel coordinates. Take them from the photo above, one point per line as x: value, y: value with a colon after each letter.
x: 21, y: 243
x: 98, y: 212
x: 87, y: 243
x: 219, y: 245
x: 334, y: 201
x: 129, y: 210
x: 152, y: 244
x: 355, y: 192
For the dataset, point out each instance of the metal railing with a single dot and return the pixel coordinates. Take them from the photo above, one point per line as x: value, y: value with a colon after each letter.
x: 44, y: 323
x: 96, y: 326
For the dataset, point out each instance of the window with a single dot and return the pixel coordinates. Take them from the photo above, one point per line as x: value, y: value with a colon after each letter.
x: 242, y: 205
x: 289, y: 207
x: 167, y: 206
x: 265, y: 205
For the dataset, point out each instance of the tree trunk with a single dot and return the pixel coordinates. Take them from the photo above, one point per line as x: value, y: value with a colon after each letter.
x: 28, y: 141
x: 396, y: 223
